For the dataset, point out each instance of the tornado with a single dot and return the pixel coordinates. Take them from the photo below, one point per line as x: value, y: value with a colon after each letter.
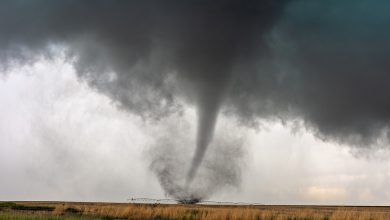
x: 207, y: 113
x: 206, y: 125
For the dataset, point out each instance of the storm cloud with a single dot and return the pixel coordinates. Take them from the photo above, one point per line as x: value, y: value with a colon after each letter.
x: 329, y: 67
x: 323, y: 62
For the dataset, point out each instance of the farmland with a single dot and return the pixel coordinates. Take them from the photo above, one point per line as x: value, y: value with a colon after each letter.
x: 90, y: 211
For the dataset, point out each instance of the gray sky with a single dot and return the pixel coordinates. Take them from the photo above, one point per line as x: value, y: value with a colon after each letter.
x: 62, y: 140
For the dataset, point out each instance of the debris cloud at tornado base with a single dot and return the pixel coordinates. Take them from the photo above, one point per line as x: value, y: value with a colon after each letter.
x: 169, y: 159
x: 321, y: 62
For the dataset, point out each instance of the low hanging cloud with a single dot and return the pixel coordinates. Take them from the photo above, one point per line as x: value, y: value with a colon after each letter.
x: 324, y: 62
x: 329, y: 67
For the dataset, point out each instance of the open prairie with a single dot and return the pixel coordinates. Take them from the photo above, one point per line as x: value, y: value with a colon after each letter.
x: 78, y: 210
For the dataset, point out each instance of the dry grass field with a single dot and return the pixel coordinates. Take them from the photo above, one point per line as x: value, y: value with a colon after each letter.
x: 78, y: 211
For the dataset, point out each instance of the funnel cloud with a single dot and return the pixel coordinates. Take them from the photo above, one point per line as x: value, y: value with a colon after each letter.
x: 322, y: 62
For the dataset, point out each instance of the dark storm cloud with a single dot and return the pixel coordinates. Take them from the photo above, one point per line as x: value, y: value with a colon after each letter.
x: 329, y: 66
x: 325, y: 62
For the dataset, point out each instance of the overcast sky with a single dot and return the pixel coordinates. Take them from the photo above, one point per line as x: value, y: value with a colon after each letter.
x: 62, y: 140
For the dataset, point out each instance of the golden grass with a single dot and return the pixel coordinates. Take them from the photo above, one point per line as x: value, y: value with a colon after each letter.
x: 201, y: 212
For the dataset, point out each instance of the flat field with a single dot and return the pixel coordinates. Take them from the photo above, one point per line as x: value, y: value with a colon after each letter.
x: 91, y: 211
